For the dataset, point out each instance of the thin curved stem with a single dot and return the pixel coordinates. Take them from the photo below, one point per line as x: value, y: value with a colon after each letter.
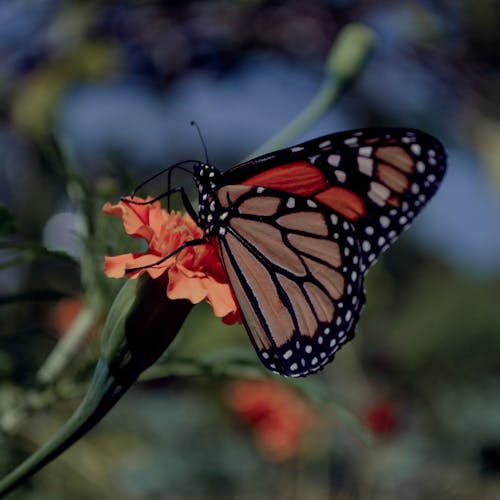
x: 347, y: 58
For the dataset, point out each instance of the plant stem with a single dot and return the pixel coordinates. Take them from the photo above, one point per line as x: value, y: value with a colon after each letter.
x: 346, y: 60
x: 102, y: 395
x: 67, y: 347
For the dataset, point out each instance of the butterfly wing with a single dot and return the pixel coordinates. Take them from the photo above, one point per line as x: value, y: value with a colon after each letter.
x: 300, y: 227
x: 378, y: 179
x: 295, y: 271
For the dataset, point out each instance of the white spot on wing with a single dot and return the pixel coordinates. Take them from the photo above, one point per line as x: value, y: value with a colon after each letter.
x: 378, y: 193
x: 416, y: 149
x: 365, y: 165
x: 333, y: 160
x: 340, y: 175
x: 384, y: 221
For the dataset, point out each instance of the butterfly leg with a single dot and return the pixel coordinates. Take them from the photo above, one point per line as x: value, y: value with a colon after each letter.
x: 185, y: 200
x: 190, y: 243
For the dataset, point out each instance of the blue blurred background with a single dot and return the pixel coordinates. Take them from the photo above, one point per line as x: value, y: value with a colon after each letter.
x: 110, y: 88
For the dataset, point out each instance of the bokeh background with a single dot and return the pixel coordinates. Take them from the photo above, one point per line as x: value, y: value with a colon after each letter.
x: 95, y: 97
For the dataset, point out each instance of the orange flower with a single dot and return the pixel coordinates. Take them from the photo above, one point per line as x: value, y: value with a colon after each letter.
x: 277, y: 415
x: 195, y: 273
x: 62, y: 315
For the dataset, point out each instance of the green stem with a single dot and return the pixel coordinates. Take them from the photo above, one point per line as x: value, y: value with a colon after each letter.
x: 103, y: 394
x: 67, y: 347
x: 346, y: 60
x: 140, y: 326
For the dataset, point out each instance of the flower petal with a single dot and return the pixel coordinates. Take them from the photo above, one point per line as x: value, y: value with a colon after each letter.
x: 135, y: 218
x: 181, y: 286
x: 114, y: 267
x: 220, y: 297
x: 196, y: 273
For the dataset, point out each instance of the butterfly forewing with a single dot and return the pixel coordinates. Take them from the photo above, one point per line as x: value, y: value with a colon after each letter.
x: 296, y: 273
x: 379, y: 179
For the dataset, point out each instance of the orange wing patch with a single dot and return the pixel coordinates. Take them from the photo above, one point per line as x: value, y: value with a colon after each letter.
x: 396, y: 156
x: 343, y: 201
x: 393, y: 178
x: 324, y: 308
x: 306, y: 322
x: 230, y: 194
x: 269, y: 241
x: 300, y: 178
x: 264, y: 205
x: 270, y: 304
x: 308, y: 222
x: 325, y: 250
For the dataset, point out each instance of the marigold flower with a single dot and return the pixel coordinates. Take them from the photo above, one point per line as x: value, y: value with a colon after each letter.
x: 195, y: 273
x: 279, y: 418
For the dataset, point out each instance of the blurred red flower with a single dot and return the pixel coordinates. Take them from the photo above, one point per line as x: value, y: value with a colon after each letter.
x: 381, y: 418
x: 195, y: 273
x: 277, y: 415
x: 62, y: 314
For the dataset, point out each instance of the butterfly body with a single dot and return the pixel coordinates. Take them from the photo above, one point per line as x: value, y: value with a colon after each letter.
x: 297, y: 230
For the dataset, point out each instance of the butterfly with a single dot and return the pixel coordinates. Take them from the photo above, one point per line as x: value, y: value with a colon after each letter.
x: 297, y: 230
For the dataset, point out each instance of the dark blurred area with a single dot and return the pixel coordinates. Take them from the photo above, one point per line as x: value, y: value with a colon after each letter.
x: 97, y: 96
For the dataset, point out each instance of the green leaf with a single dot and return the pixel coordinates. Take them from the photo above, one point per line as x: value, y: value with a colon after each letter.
x: 7, y: 222
x: 25, y: 252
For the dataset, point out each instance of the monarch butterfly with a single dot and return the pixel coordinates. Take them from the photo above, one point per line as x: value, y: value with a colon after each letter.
x: 297, y: 230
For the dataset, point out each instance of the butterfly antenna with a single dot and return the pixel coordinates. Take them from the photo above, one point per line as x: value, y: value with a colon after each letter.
x: 169, y: 183
x: 194, y: 124
x: 161, y: 172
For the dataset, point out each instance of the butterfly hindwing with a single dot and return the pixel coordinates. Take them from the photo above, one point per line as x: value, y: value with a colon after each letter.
x: 296, y: 273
